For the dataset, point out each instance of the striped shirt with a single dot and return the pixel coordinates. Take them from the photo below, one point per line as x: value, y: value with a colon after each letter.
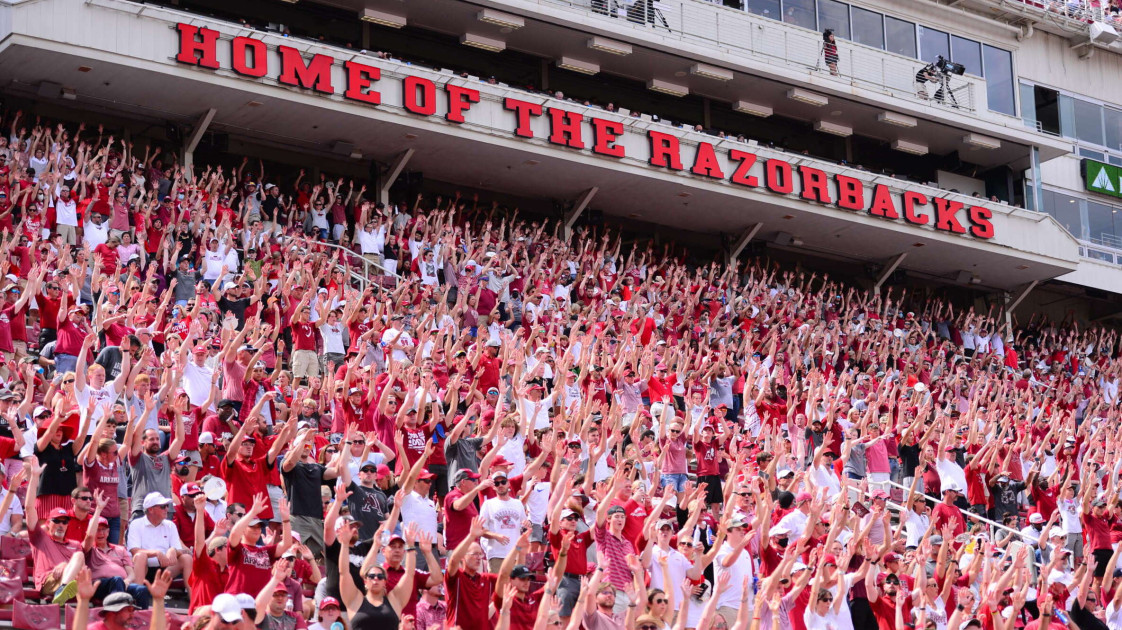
x: 616, y: 549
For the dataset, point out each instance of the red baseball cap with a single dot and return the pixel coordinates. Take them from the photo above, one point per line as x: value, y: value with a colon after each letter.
x: 58, y: 513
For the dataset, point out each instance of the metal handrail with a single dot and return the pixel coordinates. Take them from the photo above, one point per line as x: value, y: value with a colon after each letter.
x: 368, y: 266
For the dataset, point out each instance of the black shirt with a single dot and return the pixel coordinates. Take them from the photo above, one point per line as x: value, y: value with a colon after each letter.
x: 237, y: 307
x: 304, y: 481
x: 61, y: 468
x: 369, y: 506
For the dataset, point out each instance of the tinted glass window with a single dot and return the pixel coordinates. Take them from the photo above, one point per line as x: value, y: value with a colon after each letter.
x: 968, y: 53
x: 800, y: 12
x: 900, y: 37
x: 998, y: 64
x: 933, y: 43
x: 1088, y: 122
x: 835, y: 15
x: 766, y: 8
x: 868, y: 27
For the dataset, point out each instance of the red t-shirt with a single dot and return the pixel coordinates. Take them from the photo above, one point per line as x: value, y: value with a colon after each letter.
x: 468, y: 597
x: 420, y: 578
x: 523, y: 611
x: 943, y: 514
x: 206, y: 581
x: 707, y: 457
x: 303, y: 336
x: 457, y: 523
x: 250, y: 568
x: 1097, y: 531
x: 577, y: 559
x: 244, y: 481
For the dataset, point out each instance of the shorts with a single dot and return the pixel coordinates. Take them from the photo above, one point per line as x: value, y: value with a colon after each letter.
x: 537, y: 533
x: 52, y: 581
x: 193, y: 458
x: 494, y: 564
x: 69, y: 233
x: 713, y: 492
x: 275, y: 495
x: 21, y: 348
x: 1102, y: 558
x: 677, y: 480
x: 304, y: 364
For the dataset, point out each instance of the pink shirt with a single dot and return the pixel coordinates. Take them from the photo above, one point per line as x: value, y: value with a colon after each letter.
x: 675, y: 460
x: 876, y: 457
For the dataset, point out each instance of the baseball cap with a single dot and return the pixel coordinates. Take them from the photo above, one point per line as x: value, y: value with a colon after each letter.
x: 245, y: 600
x: 498, y: 474
x: 466, y: 474
x: 189, y: 489
x: 426, y: 475
x: 880, y: 494
x: 206, y: 437
x: 153, y: 499
x: 521, y: 572
x: 778, y: 530
x: 666, y: 522
x: 329, y: 601
x: 803, y: 497
x: 227, y: 607
x: 58, y: 513
x: 566, y: 513
x: 616, y: 509
x: 1036, y: 517
x: 890, y: 557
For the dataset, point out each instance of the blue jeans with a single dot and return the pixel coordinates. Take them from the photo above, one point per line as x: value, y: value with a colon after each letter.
x: 678, y: 480
x: 114, y: 529
x: 65, y: 363
x: 108, y: 586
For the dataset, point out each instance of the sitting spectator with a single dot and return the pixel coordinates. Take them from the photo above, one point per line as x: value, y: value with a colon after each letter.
x: 153, y: 540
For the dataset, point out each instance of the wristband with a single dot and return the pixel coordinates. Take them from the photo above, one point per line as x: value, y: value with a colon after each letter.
x: 408, y: 549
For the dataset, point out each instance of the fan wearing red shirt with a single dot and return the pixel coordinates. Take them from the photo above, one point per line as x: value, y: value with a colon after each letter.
x: 947, y: 513
x: 209, y: 571
x: 467, y: 589
x: 250, y: 565
x: 1098, y: 519
x: 245, y: 473
x: 526, y: 601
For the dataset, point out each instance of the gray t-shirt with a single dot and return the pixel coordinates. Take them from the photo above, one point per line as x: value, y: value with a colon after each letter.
x: 185, y: 284
x: 855, y: 465
x: 150, y: 474
x: 464, y: 453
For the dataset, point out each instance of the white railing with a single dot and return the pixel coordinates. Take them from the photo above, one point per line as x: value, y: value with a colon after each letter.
x: 372, y: 272
x: 776, y: 43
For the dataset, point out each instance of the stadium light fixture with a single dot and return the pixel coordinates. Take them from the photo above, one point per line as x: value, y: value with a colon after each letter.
x: 576, y: 65
x: 748, y: 107
x: 897, y: 120
x: 711, y: 72
x: 382, y: 18
x: 504, y: 20
x: 810, y: 98
x: 909, y: 147
x: 834, y: 129
x: 609, y: 46
x: 483, y: 43
x: 665, y: 87
x: 980, y: 141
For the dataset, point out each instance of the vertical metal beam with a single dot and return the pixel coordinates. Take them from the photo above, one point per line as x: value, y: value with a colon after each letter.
x: 578, y: 207
x: 196, y: 135
x: 391, y: 175
x: 1013, y: 300
x: 888, y: 269
x: 742, y: 242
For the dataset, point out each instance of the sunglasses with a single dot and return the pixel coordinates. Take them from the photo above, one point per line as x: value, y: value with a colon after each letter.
x: 86, y: 498
x: 648, y: 626
x: 60, y: 521
x: 500, y: 482
x: 68, y: 381
x: 368, y: 470
x: 661, y: 601
x: 375, y: 576
x: 238, y: 514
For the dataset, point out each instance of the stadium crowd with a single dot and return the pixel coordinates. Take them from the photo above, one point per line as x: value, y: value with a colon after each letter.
x: 507, y: 429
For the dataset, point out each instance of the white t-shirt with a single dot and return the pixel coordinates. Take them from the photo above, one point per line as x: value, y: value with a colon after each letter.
x: 951, y: 473
x: 677, y: 566
x: 406, y: 341
x: 6, y: 520
x: 420, y: 511
x: 515, y: 452
x: 537, y: 504
x: 333, y: 338
x: 505, y: 517
x: 103, y: 398
x: 537, y: 412
x: 196, y: 382
x: 94, y: 234
x: 739, y: 570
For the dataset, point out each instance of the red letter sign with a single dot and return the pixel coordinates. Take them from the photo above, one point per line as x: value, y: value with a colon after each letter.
x: 244, y: 48
x: 910, y: 214
x: 883, y: 205
x: 945, y: 219
x: 459, y: 101
x: 565, y: 128
x: 316, y: 74
x: 851, y: 193
x: 665, y: 150
x: 779, y: 176
x: 740, y: 175
x: 706, y: 162
x: 426, y: 104
x: 980, y: 217
x: 359, y: 77
x: 523, y: 111
x: 814, y: 184
x: 197, y: 46
x: 604, y: 135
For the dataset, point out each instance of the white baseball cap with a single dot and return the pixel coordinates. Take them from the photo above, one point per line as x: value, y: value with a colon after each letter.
x: 152, y: 499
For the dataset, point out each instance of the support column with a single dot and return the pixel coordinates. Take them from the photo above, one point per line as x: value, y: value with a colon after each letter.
x: 1013, y: 300
x: 888, y: 269
x: 193, y: 139
x: 578, y: 207
x: 742, y: 242
x: 393, y: 173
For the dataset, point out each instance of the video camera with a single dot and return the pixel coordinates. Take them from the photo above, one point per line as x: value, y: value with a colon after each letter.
x: 949, y: 67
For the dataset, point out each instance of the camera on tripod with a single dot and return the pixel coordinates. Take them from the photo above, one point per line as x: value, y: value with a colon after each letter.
x: 949, y: 67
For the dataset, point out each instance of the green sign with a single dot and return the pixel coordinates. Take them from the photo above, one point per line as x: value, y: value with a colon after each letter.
x: 1105, y: 179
